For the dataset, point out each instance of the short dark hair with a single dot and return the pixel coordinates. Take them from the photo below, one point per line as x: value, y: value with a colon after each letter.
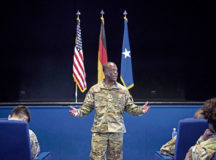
x: 21, y: 111
x: 209, y: 110
x: 105, y: 66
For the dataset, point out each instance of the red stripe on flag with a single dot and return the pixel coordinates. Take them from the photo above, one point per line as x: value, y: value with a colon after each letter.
x: 77, y: 58
x: 80, y: 74
x: 79, y: 71
x: 102, y: 52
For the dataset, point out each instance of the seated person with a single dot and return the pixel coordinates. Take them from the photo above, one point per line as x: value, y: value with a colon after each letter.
x: 22, y: 113
x: 205, y: 147
x: 168, y: 149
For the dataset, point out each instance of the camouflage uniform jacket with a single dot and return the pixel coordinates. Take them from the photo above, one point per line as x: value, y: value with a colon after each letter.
x: 35, y: 148
x: 109, y: 104
x: 168, y: 149
x: 203, y: 150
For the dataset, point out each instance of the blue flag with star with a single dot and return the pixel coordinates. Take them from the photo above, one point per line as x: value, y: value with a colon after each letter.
x: 126, y: 65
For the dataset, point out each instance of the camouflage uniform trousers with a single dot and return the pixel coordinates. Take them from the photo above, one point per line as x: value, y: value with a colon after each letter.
x: 106, y: 144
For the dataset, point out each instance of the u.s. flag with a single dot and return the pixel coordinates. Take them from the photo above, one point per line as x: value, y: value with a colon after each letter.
x: 126, y: 65
x: 78, y: 63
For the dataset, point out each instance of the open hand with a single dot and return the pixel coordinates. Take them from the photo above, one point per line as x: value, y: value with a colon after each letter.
x: 145, y: 108
x: 73, y: 111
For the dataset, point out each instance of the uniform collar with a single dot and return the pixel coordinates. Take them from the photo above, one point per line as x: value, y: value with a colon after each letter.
x: 114, y: 86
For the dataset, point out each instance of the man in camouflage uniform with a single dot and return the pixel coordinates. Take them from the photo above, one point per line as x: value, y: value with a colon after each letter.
x: 109, y: 99
x: 22, y: 113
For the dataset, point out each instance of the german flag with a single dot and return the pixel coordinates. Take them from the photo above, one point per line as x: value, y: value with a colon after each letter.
x: 102, y: 52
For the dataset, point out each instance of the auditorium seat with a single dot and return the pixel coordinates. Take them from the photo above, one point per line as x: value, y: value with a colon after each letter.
x: 15, y: 142
x: 188, y: 132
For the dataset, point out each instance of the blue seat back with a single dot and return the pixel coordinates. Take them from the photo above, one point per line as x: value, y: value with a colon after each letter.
x: 189, y: 131
x: 14, y: 140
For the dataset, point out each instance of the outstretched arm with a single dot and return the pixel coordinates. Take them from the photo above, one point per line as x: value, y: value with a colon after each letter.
x: 131, y: 108
x: 145, y: 108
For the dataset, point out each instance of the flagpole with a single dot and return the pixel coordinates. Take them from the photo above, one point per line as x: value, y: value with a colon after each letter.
x: 78, y: 63
x: 125, y: 13
x: 126, y: 74
x: 76, y: 92
x: 102, y: 49
x: 102, y: 13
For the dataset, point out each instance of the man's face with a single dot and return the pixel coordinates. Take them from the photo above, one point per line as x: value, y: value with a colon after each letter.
x: 111, y: 72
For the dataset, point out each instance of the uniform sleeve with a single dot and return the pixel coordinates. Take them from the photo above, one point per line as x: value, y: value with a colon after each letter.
x: 203, y: 150
x: 35, y: 148
x: 130, y: 107
x: 191, y: 152
x: 200, y: 140
x: 200, y: 153
x: 88, y: 104
x: 169, y: 148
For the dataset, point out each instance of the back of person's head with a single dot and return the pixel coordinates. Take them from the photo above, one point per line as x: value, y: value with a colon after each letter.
x: 199, y: 114
x: 209, y: 111
x: 21, y: 112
